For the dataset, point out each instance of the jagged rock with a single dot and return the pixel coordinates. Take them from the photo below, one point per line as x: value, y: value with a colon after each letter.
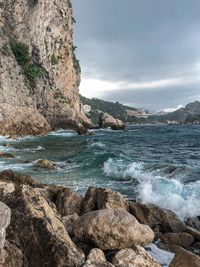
x: 68, y: 202
x: 106, y: 120
x: 181, y: 239
x: 194, y: 223
x: 46, y: 164
x: 101, y: 198
x: 195, y: 233
x: 112, y: 229
x: 5, y: 215
x: 96, y: 258
x: 135, y: 257
x: 6, y: 155
x: 184, y: 258
x: 161, y: 220
x: 5, y: 188
x: 13, y: 256
x: 17, y: 178
x: 69, y: 221
x: 39, y: 231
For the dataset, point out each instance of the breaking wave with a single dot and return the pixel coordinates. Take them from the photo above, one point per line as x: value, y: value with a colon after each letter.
x: 166, y: 192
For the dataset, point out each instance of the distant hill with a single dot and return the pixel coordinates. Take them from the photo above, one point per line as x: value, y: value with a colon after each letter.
x: 117, y: 110
x: 189, y: 114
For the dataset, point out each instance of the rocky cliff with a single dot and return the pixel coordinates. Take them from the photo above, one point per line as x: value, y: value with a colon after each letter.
x: 39, y: 72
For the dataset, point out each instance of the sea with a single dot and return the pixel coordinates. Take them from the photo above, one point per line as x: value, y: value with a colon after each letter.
x: 153, y: 164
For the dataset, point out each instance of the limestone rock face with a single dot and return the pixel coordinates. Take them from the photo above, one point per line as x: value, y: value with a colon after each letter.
x: 112, y: 229
x: 39, y: 90
x: 43, y: 237
x: 102, y: 198
x: 136, y: 257
x: 106, y: 120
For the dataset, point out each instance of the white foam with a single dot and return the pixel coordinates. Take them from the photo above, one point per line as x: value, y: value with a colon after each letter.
x: 172, y: 194
x: 63, y: 133
x: 98, y: 144
x: 162, y: 256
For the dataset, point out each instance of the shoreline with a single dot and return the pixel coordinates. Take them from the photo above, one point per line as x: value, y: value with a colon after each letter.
x: 46, y: 208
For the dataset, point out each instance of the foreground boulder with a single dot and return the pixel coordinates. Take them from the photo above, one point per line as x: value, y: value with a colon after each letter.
x: 135, y: 257
x: 112, y: 229
x: 37, y: 226
x: 184, y: 258
x: 101, y: 198
x: 96, y: 258
x: 106, y: 121
x: 13, y: 256
x: 5, y: 215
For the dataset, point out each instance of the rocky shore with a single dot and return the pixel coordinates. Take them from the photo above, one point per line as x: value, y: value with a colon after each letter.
x: 49, y: 225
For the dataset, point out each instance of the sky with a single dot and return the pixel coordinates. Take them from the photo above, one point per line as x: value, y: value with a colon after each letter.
x: 143, y: 53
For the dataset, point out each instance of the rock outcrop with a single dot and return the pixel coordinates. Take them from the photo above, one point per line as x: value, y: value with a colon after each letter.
x: 39, y: 72
x: 110, y: 229
x: 106, y: 121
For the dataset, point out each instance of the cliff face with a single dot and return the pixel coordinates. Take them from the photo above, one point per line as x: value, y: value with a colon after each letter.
x: 39, y: 73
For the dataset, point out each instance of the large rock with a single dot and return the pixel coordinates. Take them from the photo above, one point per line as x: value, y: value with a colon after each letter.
x: 5, y: 215
x: 194, y: 222
x: 6, y: 188
x: 101, y: 198
x: 184, y: 258
x: 68, y: 222
x: 96, y: 258
x: 17, y: 178
x: 106, y: 120
x: 159, y: 219
x: 40, y: 232
x: 181, y: 239
x: 136, y: 257
x: 112, y: 229
x: 68, y: 202
x: 13, y: 256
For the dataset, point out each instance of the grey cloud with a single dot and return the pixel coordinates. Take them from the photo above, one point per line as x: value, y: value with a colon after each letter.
x: 137, y: 40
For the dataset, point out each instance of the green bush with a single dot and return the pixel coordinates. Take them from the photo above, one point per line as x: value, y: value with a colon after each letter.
x: 54, y: 60
x: 20, y: 51
x: 33, y: 72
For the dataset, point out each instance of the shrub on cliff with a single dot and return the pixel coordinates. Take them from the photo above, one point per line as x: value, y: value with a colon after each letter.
x: 20, y: 51
x: 33, y: 72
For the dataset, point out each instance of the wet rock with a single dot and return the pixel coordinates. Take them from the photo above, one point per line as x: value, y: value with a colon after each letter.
x: 68, y: 202
x: 106, y: 120
x: 5, y: 215
x: 69, y: 221
x: 161, y: 220
x: 17, y: 178
x: 40, y: 231
x: 6, y: 155
x: 7, y: 145
x: 195, y: 233
x: 184, y: 258
x: 112, y: 229
x: 135, y: 257
x: 46, y: 164
x: 181, y: 239
x: 101, y: 198
x: 194, y: 223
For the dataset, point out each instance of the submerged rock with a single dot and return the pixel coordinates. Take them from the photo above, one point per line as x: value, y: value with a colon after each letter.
x: 106, y: 120
x: 112, y: 229
x: 134, y: 257
x: 101, y: 198
x: 46, y: 164
x: 6, y: 155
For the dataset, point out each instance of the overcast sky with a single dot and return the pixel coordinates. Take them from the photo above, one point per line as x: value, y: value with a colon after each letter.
x: 144, y: 53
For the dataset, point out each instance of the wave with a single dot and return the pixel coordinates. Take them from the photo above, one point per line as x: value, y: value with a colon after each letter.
x: 169, y: 193
x: 98, y: 145
x: 63, y: 133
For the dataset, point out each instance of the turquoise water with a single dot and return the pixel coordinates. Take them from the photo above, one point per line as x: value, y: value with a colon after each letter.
x: 155, y: 164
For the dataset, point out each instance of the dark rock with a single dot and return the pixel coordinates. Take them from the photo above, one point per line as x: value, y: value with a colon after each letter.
x: 17, y: 178
x: 46, y: 164
x: 6, y: 155
x: 184, y: 258
x: 194, y: 222
x: 181, y: 239
x: 157, y: 218
x: 68, y: 222
x: 13, y: 256
x: 68, y: 202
